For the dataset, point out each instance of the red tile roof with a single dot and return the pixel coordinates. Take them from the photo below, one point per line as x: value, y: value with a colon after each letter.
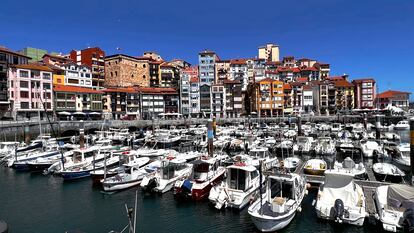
x: 120, y: 89
x: 391, y: 93
x: 287, y: 86
x: 62, y: 88
x: 295, y: 70
x: 302, y: 79
x: 307, y: 87
x: 241, y: 61
x: 342, y: 83
x: 33, y: 66
x: 363, y: 80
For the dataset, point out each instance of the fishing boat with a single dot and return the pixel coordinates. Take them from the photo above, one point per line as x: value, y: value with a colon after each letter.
x: 206, y: 173
x: 163, y: 180
x: 262, y: 155
x: 239, y: 188
x: 388, y: 172
x: 20, y: 162
x: 315, y: 167
x: 395, y: 206
x: 402, y: 160
x: 278, y: 207
x: 340, y: 199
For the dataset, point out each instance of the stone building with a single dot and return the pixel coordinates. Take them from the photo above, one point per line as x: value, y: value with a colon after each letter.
x: 125, y: 71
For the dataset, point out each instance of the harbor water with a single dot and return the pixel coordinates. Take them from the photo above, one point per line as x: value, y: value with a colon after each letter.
x: 38, y: 203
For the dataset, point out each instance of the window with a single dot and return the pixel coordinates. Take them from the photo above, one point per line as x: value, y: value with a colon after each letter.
x: 24, y: 84
x: 143, y: 76
x: 24, y: 73
x: 46, y: 76
x: 24, y: 105
x: 11, y: 83
x: 12, y: 94
x: 144, y: 66
x: 35, y: 73
x: 87, y: 75
x: 46, y: 86
x: 59, y: 80
x: 24, y: 94
x: 116, y: 73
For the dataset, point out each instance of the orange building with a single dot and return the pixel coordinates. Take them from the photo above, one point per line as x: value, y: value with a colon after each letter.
x: 269, y: 97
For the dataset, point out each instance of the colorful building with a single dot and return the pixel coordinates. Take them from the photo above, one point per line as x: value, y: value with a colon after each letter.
x: 94, y: 58
x: 30, y: 90
x: 77, y: 99
x: 269, y: 97
x: 35, y: 54
x: 364, y: 93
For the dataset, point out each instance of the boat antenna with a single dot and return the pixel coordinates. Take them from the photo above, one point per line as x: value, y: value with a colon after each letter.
x: 135, y: 214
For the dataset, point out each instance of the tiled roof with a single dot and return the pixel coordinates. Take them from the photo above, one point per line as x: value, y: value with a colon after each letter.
x: 241, y: 61
x: 302, y: 79
x: 342, y: 83
x: 120, y: 89
x: 194, y: 80
x: 231, y: 81
x: 62, y: 88
x: 33, y: 66
x: 268, y: 80
x: 287, y: 86
x: 363, y: 80
x: 295, y: 70
x: 390, y: 93
x: 307, y: 87
x: 7, y: 50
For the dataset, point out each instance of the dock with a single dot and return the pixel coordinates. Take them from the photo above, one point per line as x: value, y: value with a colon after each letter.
x: 368, y: 186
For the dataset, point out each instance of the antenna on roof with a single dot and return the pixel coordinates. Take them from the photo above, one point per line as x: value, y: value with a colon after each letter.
x: 118, y: 48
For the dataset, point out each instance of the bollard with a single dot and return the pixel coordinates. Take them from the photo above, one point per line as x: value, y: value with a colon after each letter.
x: 210, y: 136
x: 377, y: 127
x: 412, y: 147
x: 299, y: 121
x: 27, y: 133
x: 81, y: 138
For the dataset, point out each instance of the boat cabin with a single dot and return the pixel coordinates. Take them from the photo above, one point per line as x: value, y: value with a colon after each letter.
x: 259, y: 153
x: 170, y: 167
x: 204, y: 169
x: 284, y: 190
x: 241, y: 177
x: 80, y: 155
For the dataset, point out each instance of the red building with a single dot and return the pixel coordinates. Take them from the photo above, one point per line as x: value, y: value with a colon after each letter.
x: 93, y: 57
x: 364, y: 93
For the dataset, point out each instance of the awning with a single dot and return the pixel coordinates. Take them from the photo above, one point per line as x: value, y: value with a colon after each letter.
x: 79, y: 113
x: 95, y: 113
x: 65, y: 113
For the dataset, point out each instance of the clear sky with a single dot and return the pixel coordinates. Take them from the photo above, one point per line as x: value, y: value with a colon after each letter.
x: 360, y: 38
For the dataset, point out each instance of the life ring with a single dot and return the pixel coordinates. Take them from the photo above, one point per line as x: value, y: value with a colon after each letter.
x: 240, y: 164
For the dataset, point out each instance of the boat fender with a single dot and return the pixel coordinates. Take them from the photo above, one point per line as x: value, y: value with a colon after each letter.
x: 337, y: 212
x: 408, y: 220
x: 299, y: 209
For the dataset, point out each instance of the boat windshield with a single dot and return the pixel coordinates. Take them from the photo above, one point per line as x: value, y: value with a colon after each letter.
x: 280, y: 188
x: 169, y: 170
x: 237, y: 179
x: 302, y: 140
x: 257, y: 154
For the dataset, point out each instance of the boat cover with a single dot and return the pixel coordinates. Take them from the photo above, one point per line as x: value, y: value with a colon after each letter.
x: 339, y: 185
x: 348, y: 163
x: 400, y: 195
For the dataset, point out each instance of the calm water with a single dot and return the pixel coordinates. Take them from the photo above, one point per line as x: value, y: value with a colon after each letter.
x: 37, y: 203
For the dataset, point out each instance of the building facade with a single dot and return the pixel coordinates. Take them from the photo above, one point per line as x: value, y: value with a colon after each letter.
x: 270, y: 98
x: 35, y: 54
x: 398, y: 99
x: 187, y: 75
x: 94, y: 58
x: 7, y: 58
x: 30, y: 90
x: 218, y: 100
x: 77, y: 75
x: 364, y: 93
x: 269, y: 52
x: 77, y: 99
x: 233, y: 98
x: 126, y: 71
x: 206, y: 60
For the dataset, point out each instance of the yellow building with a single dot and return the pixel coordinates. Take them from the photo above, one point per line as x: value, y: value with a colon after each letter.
x: 269, y: 97
x: 58, y: 79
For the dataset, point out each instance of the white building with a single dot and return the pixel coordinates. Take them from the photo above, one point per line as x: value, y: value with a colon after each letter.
x: 77, y: 75
x: 239, y: 72
x: 194, y: 97
x: 218, y: 101
x: 269, y: 52
x: 307, y: 98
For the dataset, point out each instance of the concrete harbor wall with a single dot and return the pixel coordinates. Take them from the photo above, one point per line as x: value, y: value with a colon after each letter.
x: 10, y: 130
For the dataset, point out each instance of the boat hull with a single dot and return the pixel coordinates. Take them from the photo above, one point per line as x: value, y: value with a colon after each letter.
x: 39, y: 167
x: 271, y: 225
x: 108, y: 187
x: 74, y: 175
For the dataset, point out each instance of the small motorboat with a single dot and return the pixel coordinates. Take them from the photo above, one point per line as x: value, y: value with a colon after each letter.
x: 130, y: 177
x: 278, y: 207
x: 340, y: 199
x: 315, y: 167
x: 370, y: 148
x: 402, y: 125
x: 388, y: 172
x: 303, y: 145
x: 288, y: 164
x: 395, y: 207
x: 349, y: 166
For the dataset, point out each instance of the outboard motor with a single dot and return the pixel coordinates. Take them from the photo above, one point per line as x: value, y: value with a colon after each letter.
x: 408, y: 220
x: 338, y: 210
x: 152, y: 183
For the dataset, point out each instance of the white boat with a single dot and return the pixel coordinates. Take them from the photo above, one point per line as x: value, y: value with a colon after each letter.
x: 370, y: 148
x: 349, y: 166
x: 239, y: 188
x: 278, y: 207
x: 262, y: 154
x: 402, y: 125
x: 340, y: 199
x: 325, y: 146
x: 395, y: 206
x: 7, y: 148
x: 315, y: 167
x: 303, y: 145
x: 388, y: 172
x: 129, y: 175
x: 289, y: 164
x: 163, y: 180
x: 336, y: 127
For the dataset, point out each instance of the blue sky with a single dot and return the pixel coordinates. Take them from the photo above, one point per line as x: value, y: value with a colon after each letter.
x: 360, y: 38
